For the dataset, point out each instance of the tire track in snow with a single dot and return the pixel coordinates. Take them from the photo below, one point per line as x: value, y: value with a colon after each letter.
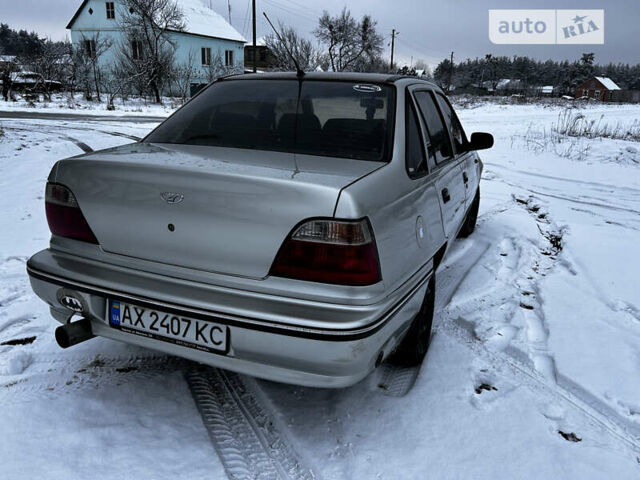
x: 517, y: 293
x: 81, y: 145
x: 563, y: 389
x: 599, y: 186
x: 566, y: 198
x: 243, y: 434
x: 498, y: 349
x: 395, y: 380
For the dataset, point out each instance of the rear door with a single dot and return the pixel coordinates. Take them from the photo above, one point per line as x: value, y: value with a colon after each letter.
x: 419, y: 168
x: 449, y: 182
x: 468, y: 160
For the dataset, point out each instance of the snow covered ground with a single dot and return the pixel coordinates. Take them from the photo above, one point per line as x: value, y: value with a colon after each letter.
x: 533, y: 372
x: 65, y: 103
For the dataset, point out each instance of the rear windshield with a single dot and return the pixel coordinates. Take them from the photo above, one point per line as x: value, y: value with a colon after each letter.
x: 330, y: 118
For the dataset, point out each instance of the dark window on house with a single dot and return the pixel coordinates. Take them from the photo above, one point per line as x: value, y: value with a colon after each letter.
x: 206, y: 55
x: 136, y: 49
x: 111, y: 10
x: 228, y: 58
x: 89, y: 48
x: 415, y: 159
x: 455, y: 127
x: 250, y: 54
x: 263, y: 54
x: 437, y: 130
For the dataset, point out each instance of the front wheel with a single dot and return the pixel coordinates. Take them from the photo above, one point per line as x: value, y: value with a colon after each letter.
x: 414, y: 345
x: 469, y: 224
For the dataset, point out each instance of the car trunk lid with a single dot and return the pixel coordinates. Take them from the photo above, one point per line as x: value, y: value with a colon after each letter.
x: 209, y: 208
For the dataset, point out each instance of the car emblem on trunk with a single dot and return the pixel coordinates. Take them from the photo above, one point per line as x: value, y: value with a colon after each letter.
x: 172, y: 197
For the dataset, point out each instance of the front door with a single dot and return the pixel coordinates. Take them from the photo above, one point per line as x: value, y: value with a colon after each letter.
x: 450, y: 182
x: 468, y: 160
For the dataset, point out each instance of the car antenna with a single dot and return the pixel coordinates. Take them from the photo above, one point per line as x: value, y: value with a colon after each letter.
x: 299, y: 71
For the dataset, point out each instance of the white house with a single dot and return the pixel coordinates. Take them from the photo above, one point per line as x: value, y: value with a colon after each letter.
x: 206, y: 36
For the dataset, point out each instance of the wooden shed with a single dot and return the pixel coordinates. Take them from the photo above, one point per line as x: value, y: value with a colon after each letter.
x: 599, y: 88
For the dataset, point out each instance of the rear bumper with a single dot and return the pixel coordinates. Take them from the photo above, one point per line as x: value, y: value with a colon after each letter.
x: 273, y: 337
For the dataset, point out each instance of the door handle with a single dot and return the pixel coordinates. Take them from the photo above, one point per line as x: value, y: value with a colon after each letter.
x: 465, y: 177
x: 445, y: 195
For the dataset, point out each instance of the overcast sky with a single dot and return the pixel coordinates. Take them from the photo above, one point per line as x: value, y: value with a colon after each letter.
x: 428, y: 29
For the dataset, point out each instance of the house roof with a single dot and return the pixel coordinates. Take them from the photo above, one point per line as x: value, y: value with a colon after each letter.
x: 198, y: 18
x: 201, y: 20
x: 260, y: 42
x: 508, y: 83
x: 75, y: 15
x: 608, y: 83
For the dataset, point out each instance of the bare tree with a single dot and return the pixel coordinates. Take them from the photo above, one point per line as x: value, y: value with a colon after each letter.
x: 309, y: 57
x: 6, y: 72
x: 349, y: 41
x: 181, y: 77
x: 52, y: 62
x: 216, y: 68
x: 86, y: 61
x: 424, y: 66
x: 118, y: 83
x: 147, y: 25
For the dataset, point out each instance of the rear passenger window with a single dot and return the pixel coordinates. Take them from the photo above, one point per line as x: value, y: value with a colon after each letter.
x: 455, y: 128
x: 440, y: 143
x: 415, y: 159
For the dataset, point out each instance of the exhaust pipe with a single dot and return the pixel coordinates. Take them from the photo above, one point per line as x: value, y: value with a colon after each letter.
x: 74, y: 333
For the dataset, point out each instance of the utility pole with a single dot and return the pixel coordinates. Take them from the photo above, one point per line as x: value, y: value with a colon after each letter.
x: 393, y: 40
x: 229, y: 7
x: 450, y: 73
x: 255, y: 54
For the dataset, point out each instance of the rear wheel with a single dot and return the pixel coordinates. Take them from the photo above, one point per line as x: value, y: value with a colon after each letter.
x: 469, y: 224
x: 415, y: 344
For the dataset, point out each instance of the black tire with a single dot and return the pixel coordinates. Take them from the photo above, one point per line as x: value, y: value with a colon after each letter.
x: 414, y: 345
x: 469, y: 224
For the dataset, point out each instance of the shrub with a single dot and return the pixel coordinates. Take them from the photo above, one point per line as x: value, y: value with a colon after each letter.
x: 575, y: 124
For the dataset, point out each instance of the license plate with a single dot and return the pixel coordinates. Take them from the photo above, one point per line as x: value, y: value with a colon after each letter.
x: 169, y: 327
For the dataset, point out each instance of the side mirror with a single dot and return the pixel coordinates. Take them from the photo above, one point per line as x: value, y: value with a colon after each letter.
x: 480, y: 141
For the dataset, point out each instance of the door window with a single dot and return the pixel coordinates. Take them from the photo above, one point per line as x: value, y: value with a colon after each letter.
x: 440, y: 143
x: 415, y: 159
x: 455, y: 127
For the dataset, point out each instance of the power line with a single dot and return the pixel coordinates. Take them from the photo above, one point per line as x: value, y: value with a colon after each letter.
x: 245, y: 23
x: 290, y: 10
x: 304, y: 8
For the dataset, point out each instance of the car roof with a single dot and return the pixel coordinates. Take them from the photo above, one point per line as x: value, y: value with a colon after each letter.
x: 329, y: 76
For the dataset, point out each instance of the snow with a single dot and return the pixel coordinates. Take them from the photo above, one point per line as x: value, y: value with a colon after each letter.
x: 76, y: 104
x: 202, y: 20
x: 260, y: 42
x: 608, y: 83
x: 538, y: 311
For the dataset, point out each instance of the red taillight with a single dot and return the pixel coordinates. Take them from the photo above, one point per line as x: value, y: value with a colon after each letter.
x: 330, y: 251
x: 64, y: 215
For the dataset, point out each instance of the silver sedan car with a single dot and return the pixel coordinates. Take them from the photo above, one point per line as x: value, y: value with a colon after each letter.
x: 286, y: 227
